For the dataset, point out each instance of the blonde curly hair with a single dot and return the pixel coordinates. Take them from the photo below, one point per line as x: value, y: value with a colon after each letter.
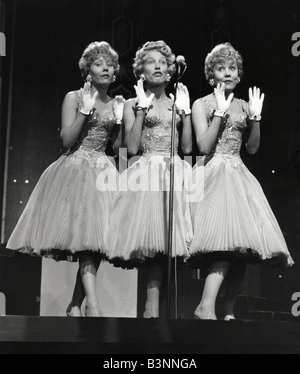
x: 160, y: 46
x: 220, y: 53
x: 92, y: 52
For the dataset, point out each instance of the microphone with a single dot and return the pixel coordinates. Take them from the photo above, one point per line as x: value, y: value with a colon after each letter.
x: 180, y: 61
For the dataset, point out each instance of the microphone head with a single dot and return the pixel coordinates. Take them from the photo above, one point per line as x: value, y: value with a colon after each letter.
x: 180, y: 60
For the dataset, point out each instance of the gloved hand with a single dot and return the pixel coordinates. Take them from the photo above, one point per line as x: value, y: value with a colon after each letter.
x: 143, y: 101
x: 255, y: 103
x: 87, y: 99
x: 182, y: 100
x: 118, y: 106
x: 222, y: 102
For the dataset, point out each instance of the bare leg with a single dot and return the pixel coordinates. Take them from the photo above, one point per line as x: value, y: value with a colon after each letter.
x: 234, y: 279
x: 74, y: 308
x: 155, y: 277
x: 206, y: 309
x: 88, y: 267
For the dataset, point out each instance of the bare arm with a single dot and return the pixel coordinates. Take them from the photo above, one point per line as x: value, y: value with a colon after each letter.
x: 206, y: 136
x: 117, y: 138
x: 254, y: 138
x: 71, y: 120
x: 133, y: 123
x: 186, y: 141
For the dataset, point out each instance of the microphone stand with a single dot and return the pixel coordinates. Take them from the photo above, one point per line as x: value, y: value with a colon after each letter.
x: 171, y: 195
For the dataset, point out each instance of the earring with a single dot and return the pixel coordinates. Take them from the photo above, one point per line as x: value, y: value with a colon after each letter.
x: 114, y: 78
x: 168, y: 77
x: 238, y: 79
x: 88, y: 79
x: 211, y: 82
x: 143, y: 77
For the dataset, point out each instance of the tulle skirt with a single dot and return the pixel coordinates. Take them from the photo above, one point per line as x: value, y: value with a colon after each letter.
x: 68, y: 210
x: 139, y: 223
x: 234, y: 217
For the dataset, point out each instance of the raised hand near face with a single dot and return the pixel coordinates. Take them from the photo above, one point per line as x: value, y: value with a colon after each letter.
x: 256, y: 101
x: 118, y: 106
x: 182, y: 100
x: 222, y: 103
x: 87, y: 99
x: 143, y: 101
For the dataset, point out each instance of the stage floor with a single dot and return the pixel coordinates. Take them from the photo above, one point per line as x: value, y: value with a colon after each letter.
x: 24, y: 334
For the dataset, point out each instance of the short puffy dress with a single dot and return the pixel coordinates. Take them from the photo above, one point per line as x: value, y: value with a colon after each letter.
x: 68, y: 210
x: 139, y: 223
x: 233, y: 218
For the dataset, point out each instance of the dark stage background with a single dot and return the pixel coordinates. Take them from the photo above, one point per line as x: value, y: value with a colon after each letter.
x: 45, y: 39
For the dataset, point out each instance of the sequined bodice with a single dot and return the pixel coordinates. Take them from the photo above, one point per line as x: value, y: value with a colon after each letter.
x: 96, y: 132
x: 229, y: 139
x: 156, y: 135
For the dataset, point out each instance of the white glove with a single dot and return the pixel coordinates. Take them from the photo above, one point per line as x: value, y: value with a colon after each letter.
x: 182, y: 99
x: 255, y: 103
x: 223, y: 104
x: 87, y: 99
x: 143, y: 101
x: 118, y: 106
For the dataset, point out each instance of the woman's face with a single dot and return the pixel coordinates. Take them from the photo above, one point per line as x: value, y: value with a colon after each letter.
x: 102, y: 70
x: 226, y: 72
x: 155, y: 68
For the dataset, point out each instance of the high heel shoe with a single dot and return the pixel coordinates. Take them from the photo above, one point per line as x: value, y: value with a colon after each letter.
x: 229, y: 317
x: 70, y: 312
x: 204, y: 319
x: 92, y: 312
x: 201, y: 313
x: 148, y: 315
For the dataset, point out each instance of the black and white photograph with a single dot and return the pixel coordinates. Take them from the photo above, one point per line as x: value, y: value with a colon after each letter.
x: 149, y: 179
